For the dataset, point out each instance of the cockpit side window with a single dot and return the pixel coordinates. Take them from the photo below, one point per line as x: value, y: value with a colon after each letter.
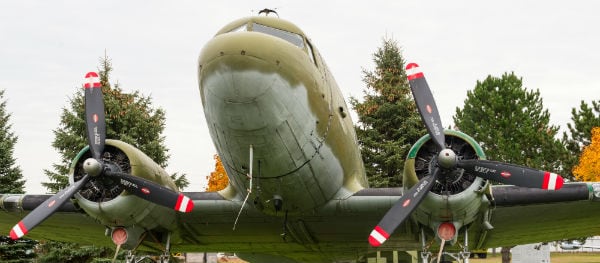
x: 241, y: 28
x: 285, y: 35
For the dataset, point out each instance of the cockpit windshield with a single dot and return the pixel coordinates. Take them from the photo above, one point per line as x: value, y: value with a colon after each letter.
x: 293, y: 38
x: 285, y: 35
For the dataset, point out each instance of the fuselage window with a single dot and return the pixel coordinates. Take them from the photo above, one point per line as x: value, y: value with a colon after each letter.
x: 285, y: 35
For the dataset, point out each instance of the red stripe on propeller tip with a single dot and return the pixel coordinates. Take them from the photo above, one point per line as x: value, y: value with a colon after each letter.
x: 413, y: 72
x: 552, y: 181
x: 184, y: 204
x: 18, y: 231
x: 92, y: 80
x: 378, y: 236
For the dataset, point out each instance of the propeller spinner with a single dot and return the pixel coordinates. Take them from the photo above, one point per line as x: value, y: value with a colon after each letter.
x: 96, y: 167
x: 446, y: 160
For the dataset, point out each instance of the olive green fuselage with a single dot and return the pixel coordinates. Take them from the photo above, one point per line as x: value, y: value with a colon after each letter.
x: 263, y: 92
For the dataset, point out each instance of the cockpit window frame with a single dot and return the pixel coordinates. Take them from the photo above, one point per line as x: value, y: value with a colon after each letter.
x: 295, y: 39
x: 311, y: 52
x: 241, y: 28
x: 291, y: 37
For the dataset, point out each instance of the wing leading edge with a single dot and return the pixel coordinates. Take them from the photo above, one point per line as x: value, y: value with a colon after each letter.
x: 524, y: 215
x: 337, y: 229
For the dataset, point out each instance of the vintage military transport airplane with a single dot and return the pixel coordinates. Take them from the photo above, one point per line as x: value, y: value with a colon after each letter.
x: 298, y: 190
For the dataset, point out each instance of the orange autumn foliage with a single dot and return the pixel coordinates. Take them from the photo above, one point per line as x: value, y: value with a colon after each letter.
x: 588, y: 168
x: 218, y: 179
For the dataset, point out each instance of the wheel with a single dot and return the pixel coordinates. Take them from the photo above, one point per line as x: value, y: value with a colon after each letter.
x: 482, y: 255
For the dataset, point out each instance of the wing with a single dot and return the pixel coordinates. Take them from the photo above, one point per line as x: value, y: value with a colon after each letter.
x: 68, y: 224
x: 525, y: 215
x: 337, y: 229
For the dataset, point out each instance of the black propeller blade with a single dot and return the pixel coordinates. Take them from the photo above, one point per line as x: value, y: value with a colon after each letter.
x: 154, y: 192
x: 426, y: 104
x: 401, y: 210
x: 446, y: 160
x: 46, y: 209
x: 512, y: 174
x: 96, y: 131
x: 94, y: 114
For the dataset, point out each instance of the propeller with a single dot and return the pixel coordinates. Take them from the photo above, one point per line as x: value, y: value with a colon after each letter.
x: 446, y: 160
x: 95, y: 167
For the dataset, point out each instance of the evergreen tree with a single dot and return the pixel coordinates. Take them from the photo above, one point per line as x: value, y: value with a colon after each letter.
x: 580, y: 132
x: 129, y: 118
x: 510, y: 123
x: 17, y: 251
x: 11, y: 178
x: 52, y: 251
x: 388, y: 120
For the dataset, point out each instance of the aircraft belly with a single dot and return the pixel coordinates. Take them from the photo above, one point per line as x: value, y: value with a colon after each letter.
x: 335, y: 230
x: 275, y: 116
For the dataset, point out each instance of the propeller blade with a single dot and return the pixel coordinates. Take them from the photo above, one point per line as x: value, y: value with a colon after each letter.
x: 402, y: 209
x: 47, y: 208
x: 426, y: 104
x: 513, y: 174
x: 154, y: 192
x: 94, y: 114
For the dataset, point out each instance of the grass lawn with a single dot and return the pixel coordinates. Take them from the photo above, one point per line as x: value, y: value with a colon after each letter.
x: 554, y: 258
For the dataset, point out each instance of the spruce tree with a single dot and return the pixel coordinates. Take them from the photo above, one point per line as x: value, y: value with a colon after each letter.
x: 11, y: 178
x: 388, y: 120
x: 579, y: 136
x: 129, y: 118
x: 510, y: 123
x: 11, y: 182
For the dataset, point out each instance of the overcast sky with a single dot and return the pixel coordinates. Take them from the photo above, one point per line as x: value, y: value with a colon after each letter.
x: 46, y: 47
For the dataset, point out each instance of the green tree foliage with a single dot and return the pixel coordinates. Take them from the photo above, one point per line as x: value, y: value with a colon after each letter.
x: 11, y: 178
x: 17, y: 251
x: 388, y: 120
x: 580, y: 132
x: 510, y: 123
x: 51, y: 252
x: 129, y: 118
x: 11, y: 181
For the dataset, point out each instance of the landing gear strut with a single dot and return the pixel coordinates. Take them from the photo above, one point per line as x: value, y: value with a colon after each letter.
x: 165, y: 257
x: 461, y: 256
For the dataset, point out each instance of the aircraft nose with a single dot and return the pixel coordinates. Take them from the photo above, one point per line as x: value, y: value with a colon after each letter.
x: 239, y: 78
x: 237, y: 67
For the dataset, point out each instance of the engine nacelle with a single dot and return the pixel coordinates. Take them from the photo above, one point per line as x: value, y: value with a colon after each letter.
x: 457, y: 196
x: 105, y: 200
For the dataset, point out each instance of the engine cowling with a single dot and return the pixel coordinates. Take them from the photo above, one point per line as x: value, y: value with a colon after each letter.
x: 457, y: 195
x: 104, y: 200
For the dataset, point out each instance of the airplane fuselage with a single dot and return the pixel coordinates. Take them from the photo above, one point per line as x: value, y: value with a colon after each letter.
x: 264, y: 86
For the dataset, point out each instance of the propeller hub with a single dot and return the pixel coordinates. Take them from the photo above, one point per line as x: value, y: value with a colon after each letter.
x: 92, y: 167
x: 447, y: 159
